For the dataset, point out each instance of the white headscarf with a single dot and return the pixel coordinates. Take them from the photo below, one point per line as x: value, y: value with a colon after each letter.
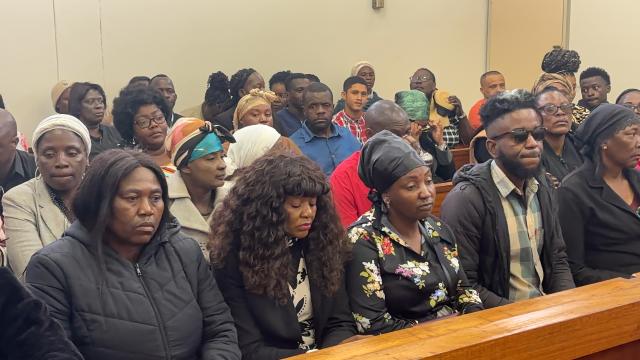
x: 251, y: 143
x: 62, y: 122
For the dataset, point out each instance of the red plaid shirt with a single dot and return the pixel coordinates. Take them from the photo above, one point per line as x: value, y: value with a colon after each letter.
x: 357, y: 127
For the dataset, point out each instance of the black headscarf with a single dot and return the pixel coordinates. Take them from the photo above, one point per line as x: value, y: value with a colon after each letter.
x: 603, y: 122
x: 385, y: 158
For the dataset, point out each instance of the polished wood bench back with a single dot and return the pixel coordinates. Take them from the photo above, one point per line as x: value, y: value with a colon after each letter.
x: 442, y: 190
x: 600, y: 321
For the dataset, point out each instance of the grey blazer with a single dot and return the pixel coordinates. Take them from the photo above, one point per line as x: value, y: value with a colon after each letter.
x: 32, y: 221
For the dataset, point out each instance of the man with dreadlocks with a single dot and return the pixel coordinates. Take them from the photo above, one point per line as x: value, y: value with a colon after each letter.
x: 241, y: 83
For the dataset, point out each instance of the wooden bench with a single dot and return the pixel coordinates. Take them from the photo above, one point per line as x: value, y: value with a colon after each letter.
x: 442, y: 190
x: 460, y: 156
x: 600, y: 321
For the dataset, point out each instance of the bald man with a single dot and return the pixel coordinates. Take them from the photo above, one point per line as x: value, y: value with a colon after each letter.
x: 16, y: 166
x: 349, y: 192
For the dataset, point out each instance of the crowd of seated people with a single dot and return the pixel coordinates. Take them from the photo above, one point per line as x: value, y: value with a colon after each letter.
x: 266, y: 223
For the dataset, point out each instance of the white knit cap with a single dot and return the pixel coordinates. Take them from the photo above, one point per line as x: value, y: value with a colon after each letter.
x: 61, y: 122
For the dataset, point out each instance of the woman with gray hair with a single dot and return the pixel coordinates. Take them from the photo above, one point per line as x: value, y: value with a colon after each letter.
x: 600, y: 201
x: 38, y: 211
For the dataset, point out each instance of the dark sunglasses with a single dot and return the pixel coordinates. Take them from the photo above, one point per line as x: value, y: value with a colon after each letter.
x: 521, y: 135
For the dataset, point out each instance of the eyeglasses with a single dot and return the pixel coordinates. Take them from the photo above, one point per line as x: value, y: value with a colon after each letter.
x: 521, y: 135
x: 635, y: 108
x: 422, y: 78
x: 551, y: 109
x: 145, y: 122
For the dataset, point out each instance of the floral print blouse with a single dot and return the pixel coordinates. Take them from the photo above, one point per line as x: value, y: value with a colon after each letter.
x: 392, y: 287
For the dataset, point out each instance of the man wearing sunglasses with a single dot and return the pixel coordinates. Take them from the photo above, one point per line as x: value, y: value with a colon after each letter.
x: 503, y: 212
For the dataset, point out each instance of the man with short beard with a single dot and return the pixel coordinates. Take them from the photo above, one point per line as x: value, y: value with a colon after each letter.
x: 503, y: 212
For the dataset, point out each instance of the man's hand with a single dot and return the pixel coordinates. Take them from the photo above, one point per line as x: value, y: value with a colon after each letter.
x: 453, y: 100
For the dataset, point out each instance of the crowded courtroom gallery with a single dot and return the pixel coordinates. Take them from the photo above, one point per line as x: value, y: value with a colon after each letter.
x: 415, y: 189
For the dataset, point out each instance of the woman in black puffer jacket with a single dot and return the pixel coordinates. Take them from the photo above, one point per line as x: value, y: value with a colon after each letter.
x: 123, y: 281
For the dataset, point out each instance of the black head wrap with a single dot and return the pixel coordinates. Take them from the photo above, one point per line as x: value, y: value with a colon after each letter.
x: 603, y: 122
x: 385, y: 158
x: 559, y: 60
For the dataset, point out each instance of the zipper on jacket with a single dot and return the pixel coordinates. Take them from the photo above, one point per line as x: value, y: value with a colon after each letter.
x: 163, y: 334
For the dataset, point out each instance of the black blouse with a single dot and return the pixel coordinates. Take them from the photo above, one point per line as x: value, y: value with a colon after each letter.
x: 392, y: 287
x: 601, y: 231
x: 561, y: 166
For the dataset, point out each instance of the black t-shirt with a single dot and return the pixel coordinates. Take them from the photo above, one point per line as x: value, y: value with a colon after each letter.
x: 22, y: 170
x: 111, y: 139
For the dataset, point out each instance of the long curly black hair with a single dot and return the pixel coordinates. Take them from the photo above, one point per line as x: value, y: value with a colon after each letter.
x: 251, y: 221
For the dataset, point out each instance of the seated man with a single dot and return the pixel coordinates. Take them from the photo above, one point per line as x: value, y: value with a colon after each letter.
x: 491, y: 84
x: 595, y: 84
x: 504, y: 214
x: 350, y: 194
x: 354, y: 95
x: 290, y: 118
x: 164, y: 85
x: 319, y: 139
x: 16, y: 166
x: 444, y: 108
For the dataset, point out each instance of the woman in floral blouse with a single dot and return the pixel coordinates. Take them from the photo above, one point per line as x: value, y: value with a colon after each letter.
x: 404, y: 267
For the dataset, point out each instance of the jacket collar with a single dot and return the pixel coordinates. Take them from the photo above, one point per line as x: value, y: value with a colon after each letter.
x: 597, y: 182
x: 184, y: 209
x: 52, y: 217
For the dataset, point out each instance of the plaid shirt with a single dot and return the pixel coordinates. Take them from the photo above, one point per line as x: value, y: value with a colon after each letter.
x: 524, y: 223
x: 450, y: 133
x: 357, y: 127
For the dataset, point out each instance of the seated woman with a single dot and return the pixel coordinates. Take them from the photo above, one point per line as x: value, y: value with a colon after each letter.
x: 566, y: 83
x: 254, y: 141
x: 216, y: 99
x: 254, y: 108
x: 559, y: 155
x: 430, y: 136
x: 404, y: 266
x: 196, y: 189
x: 123, y: 281
x: 240, y: 84
x: 88, y: 103
x: 599, y: 204
x: 278, y: 251
x: 37, y: 212
x: 140, y: 116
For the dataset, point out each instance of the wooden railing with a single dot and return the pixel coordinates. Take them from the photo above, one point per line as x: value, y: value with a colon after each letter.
x: 460, y: 156
x: 442, y: 190
x: 600, y: 321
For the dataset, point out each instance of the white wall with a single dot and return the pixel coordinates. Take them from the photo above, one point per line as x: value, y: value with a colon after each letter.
x: 109, y: 41
x: 605, y: 34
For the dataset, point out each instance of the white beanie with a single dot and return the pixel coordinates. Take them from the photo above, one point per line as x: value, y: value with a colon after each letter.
x: 62, y: 122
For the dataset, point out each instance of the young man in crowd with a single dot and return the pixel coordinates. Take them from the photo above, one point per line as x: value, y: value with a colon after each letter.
x: 491, y: 84
x: 163, y: 84
x: 355, y: 96
x: 320, y: 139
x: 595, y: 85
x: 291, y: 117
x: 504, y: 214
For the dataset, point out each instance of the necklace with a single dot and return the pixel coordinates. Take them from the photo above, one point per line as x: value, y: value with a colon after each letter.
x: 59, y: 203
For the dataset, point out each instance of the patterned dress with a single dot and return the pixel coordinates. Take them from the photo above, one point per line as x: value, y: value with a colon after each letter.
x: 392, y: 287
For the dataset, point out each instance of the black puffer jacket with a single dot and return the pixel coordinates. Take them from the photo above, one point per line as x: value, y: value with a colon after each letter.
x: 26, y: 328
x: 167, y: 306
x: 474, y: 211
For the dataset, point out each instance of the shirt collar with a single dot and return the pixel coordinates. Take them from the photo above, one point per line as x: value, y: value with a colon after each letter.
x: 349, y: 119
x: 505, y: 186
x: 308, y: 135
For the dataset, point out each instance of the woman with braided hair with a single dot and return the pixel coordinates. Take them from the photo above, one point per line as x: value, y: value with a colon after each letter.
x: 560, y: 67
x: 216, y: 99
x: 240, y: 85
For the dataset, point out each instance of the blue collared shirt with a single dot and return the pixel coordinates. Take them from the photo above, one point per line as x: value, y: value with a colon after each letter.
x: 329, y: 152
